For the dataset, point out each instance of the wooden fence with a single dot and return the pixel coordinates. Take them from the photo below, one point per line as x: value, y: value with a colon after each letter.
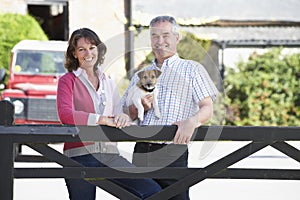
x: 38, y: 137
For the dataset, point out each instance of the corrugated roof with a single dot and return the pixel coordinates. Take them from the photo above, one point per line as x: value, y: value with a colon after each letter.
x: 257, y: 43
x: 272, y: 10
x: 250, y: 36
x: 246, y: 33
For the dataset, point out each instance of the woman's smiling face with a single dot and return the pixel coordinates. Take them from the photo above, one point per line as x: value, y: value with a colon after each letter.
x: 86, y: 53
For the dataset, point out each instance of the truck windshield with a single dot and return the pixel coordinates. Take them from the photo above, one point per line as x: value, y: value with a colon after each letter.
x: 39, y: 62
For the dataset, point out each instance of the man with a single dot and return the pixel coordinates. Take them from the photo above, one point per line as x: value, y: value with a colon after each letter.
x: 185, y: 98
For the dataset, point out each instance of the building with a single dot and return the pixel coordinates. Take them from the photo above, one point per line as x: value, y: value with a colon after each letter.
x: 230, y: 24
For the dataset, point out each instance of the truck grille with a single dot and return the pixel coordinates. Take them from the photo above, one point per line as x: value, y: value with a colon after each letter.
x: 42, y: 110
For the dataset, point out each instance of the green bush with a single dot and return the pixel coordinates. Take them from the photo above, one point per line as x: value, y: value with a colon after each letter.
x: 264, y: 91
x: 192, y: 47
x: 14, y: 28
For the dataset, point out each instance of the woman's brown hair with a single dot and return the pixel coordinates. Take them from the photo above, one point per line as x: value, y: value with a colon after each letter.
x: 71, y: 63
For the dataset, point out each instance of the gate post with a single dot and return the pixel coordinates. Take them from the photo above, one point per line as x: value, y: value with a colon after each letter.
x: 7, y: 152
x: 6, y: 168
x: 7, y: 113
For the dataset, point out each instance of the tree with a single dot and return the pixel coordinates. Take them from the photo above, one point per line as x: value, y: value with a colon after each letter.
x: 265, y: 90
x: 14, y: 28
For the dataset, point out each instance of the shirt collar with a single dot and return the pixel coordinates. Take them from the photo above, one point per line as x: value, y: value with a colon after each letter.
x: 168, y: 61
x: 82, y: 72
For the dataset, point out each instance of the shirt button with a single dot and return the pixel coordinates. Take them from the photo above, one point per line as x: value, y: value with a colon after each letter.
x: 150, y: 147
x: 104, y: 103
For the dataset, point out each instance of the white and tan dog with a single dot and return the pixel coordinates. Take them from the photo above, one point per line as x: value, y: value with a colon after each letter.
x: 146, y: 85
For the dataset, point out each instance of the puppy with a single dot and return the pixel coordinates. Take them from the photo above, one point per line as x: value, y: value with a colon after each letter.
x: 146, y: 85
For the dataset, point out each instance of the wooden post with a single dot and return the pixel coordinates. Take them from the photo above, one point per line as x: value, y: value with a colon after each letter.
x: 7, y: 113
x: 7, y: 152
x: 6, y: 168
x: 129, y: 39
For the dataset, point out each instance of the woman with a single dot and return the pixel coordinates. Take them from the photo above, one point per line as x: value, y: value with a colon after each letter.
x: 86, y: 96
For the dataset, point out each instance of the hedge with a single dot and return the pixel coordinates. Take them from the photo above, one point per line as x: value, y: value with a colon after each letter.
x: 264, y: 91
x: 14, y: 28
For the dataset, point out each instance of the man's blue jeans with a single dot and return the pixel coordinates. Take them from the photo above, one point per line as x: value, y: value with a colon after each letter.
x: 80, y: 189
x: 162, y: 155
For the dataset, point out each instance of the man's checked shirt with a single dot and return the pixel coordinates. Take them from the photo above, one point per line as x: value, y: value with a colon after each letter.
x: 182, y: 85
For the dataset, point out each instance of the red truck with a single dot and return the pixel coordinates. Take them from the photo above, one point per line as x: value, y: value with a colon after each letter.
x: 35, y: 68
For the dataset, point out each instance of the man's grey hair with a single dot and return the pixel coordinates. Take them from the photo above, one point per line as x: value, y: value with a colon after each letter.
x: 168, y: 19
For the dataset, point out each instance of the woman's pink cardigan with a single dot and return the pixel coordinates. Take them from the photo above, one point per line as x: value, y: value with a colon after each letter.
x: 75, y: 105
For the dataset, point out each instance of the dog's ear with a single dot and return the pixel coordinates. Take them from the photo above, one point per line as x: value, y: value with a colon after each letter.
x: 141, y: 74
x: 157, y: 73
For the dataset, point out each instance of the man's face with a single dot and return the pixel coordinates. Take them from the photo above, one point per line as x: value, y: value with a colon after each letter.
x: 163, y: 40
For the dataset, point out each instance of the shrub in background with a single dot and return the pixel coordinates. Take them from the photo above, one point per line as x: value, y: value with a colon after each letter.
x: 265, y: 90
x: 14, y: 28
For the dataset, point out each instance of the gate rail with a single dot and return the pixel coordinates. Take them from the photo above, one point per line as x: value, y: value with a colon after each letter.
x: 38, y: 137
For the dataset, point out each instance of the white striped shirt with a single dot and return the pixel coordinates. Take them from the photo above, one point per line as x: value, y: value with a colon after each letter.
x: 181, y: 87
